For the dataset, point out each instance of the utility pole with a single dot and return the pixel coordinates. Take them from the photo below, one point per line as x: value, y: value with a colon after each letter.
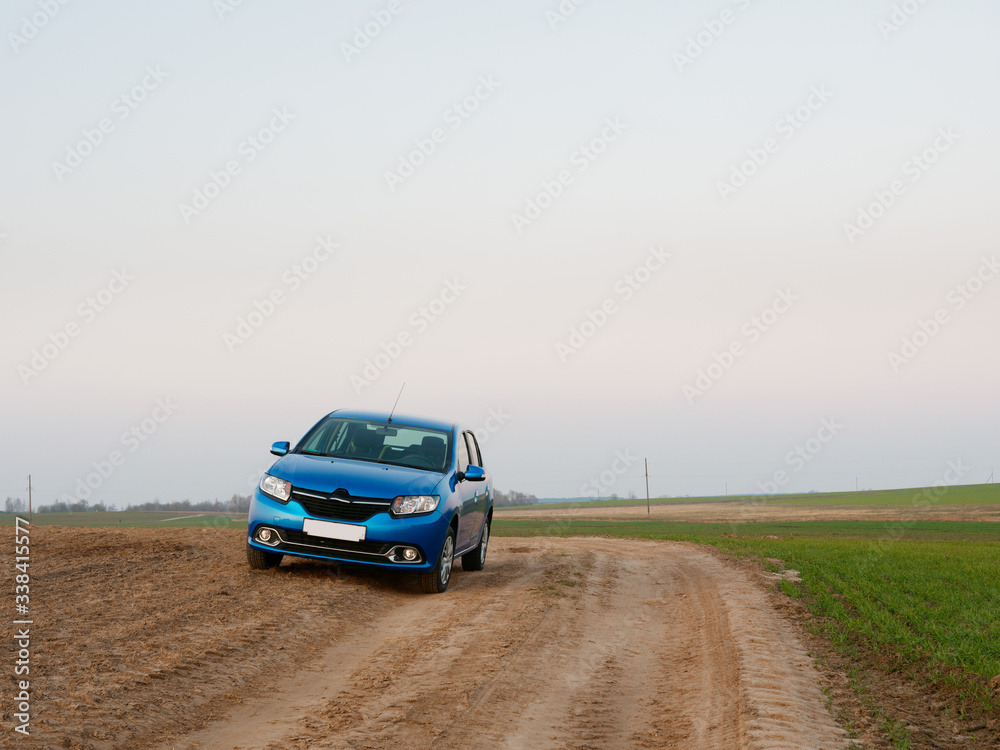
x: 29, y: 499
x: 646, y: 462
x: 855, y: 484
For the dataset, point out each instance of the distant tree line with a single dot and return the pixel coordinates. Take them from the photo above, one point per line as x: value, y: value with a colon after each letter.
x: 513, y: 498
x: 81, y: 506
x: 235, y: 504
x: 15, y: 505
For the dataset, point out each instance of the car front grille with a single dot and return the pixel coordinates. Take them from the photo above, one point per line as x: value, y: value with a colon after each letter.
x: 339, y: 505
x: 301, y: 539
x: 317, y: 546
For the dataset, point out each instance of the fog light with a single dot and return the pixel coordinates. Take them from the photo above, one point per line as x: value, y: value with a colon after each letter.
x: 409, y: 554
x: 264, y: 535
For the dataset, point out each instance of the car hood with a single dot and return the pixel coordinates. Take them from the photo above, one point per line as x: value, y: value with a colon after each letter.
x: 359, y: 478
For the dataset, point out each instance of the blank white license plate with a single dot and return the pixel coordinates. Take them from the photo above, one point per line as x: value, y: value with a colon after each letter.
x: 345, y: 532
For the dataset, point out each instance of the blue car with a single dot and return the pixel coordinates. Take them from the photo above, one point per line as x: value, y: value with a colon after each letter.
x: 379, y: 490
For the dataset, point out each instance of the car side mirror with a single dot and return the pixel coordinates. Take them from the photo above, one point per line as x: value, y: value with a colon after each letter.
x: 280, y: 449
x: 472, y: 474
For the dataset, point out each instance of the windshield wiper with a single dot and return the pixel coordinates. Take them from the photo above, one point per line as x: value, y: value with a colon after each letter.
x: 368, y: 460
x: 418, y: 468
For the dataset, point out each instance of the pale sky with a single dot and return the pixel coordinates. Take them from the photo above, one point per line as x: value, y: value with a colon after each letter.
x: 805, y: 184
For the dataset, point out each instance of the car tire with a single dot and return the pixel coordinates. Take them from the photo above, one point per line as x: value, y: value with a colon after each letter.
x: 476, y: 560
x: 437, y: 580
x: 261, y: 560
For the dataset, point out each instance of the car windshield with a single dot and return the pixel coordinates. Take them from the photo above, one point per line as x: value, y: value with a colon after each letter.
x: 379, y: 442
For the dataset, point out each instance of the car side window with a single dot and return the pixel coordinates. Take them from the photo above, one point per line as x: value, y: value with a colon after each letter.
x: 463, y: 454
x: 474, y: 455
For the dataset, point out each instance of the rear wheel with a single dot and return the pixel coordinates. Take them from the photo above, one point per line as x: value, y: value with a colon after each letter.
x: 476, y: 560
x: 436, y: 581
x: 261, y: 560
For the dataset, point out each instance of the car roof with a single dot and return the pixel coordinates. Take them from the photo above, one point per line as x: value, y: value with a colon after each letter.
x: 403, y: 419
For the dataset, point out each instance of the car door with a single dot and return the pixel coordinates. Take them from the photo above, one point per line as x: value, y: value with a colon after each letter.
x: 482, y: 488
x: 468, y: 493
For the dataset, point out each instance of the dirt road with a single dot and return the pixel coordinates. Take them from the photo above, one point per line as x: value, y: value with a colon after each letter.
x: 560, y: 643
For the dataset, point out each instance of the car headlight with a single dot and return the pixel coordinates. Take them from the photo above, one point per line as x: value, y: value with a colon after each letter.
x: 279, y: 489
x: 407, y: 505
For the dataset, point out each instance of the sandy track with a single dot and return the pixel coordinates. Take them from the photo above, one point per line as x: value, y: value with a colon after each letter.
x: 562, y: 644
x: 163, y: 638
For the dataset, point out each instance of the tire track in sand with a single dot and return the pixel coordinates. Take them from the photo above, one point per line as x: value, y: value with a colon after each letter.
x: 560, y: 643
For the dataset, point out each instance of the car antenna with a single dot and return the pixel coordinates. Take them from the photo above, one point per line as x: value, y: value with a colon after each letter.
x: 397, y: 400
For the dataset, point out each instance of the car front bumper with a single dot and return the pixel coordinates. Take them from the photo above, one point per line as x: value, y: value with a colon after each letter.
x: 385, y: 536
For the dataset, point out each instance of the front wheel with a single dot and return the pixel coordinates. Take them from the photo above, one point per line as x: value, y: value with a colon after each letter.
x: 476, y: 560
x: 261, y: 560
x: 436, y: 581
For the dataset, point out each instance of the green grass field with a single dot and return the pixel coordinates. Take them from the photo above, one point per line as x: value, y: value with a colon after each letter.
x: 968, y: 494
x: 983, y: 531
x: 922, y: 597
x: 133, y: 519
